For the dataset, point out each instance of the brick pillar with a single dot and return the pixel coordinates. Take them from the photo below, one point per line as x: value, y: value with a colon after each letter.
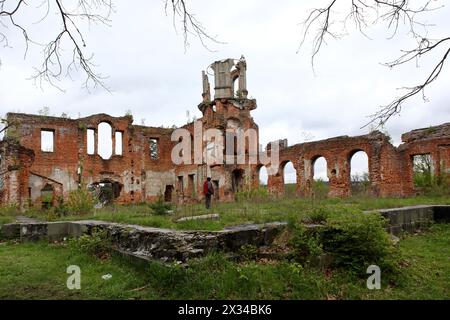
x: 340, y: 178
x: 436, y: 163
x: 275, y: 184
x: 113, y: 138
x: 407, y: 175
x: 95, y: 141
x: 374, y: 166
x: 304, y: 176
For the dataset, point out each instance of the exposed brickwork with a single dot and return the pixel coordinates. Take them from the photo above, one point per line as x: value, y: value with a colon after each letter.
x: 27, y: 172
x: 390, y: 168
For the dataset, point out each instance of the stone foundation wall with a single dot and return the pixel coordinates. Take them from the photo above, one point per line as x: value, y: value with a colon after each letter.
x: 150, y: 243
x: 409, y: 219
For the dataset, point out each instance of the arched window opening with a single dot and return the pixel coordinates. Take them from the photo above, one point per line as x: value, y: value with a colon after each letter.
x: 263, y: 176
x: 320, y: 178
x: 105, y: 145
x: 290, y: 179
x: 359, y: 173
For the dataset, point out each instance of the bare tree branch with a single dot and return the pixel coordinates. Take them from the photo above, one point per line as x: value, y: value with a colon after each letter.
x: 5, y: 124
x: 394, y: 13
x: 72, y: 15
x: 393, y: 108
x: 189, y: 23
x: 53, y: 69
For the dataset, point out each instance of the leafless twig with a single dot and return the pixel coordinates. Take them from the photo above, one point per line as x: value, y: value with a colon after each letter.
x: 189, y: 23
x: 394, y: 13
x: 72, y: 16
x: 53, y: 69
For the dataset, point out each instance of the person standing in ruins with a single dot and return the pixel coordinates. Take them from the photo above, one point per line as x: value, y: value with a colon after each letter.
x: 208, y: 191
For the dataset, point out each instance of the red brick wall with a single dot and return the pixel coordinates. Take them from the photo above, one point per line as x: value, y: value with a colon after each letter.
x: 144, y: 179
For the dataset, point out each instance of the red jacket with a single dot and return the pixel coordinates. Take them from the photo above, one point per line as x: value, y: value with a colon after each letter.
x: 207, y: 189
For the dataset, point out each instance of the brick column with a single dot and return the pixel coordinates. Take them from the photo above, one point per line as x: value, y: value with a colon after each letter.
x: 113, y: 138
x: 96, y: 141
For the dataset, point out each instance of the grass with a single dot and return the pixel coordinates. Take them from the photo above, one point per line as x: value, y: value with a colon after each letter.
x: 243, y: 212
x: 427, y: 260
x: 6, y: 219
x: 38, y: 271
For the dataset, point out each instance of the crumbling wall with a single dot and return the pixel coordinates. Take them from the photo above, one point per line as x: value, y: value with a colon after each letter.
x: 15, y: 161
x: 390, y: 168
x: 227, y: 115
x: 141, y: 169
x: 434, y: 141
x: 70, y: 166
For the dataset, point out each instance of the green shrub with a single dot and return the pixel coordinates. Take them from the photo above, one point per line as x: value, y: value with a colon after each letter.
x: 61, y: 208
x: 50, y: 214
x: 80, y: 201
x: 46, y: 201
x: 160, y: 207
x: 360, y: 184
x: 306, y: 243
x: 9, y: 210
x: 352, y: 240
x: 290, y: 190
x: 357, y: 240
x: 317, y: 215
x: 98, y: 243
x: 433, y: 185
x: 320, y: 189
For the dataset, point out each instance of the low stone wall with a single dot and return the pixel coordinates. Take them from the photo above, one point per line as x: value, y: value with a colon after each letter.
x: 409, y: 219
x: 173, y: 245
x: 150, y: 243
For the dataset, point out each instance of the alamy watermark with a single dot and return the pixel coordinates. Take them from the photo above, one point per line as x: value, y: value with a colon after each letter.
x: 374, y: 280
x: 215, y: 147
x: 74, y: 280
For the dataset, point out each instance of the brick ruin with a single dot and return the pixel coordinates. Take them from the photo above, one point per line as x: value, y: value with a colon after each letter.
x: 139, y: 166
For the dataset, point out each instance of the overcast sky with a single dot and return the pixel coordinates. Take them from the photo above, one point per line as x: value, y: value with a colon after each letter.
x: 151, y: 73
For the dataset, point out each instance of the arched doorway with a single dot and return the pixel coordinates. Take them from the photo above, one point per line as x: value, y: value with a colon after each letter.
x: 168, y: 193
x: 359, y: 173
x: 320, y: 177
x: 263, y: 176
x: 289, y: 179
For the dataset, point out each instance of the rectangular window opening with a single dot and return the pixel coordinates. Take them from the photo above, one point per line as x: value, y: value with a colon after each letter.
x: 118, y: 150
x: 47, y: 140
x: 154, y: 150
x: 191, y: 181
x: 180, y: 184
x: 90, y: 141
x: 423, y: 170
